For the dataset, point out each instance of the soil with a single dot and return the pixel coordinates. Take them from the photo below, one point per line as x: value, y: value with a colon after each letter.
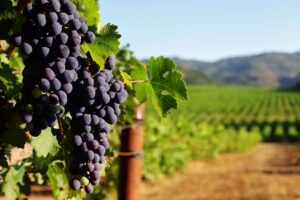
x: 269, y: 171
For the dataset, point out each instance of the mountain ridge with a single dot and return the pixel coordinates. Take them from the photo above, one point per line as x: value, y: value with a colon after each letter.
x: 271, y: 69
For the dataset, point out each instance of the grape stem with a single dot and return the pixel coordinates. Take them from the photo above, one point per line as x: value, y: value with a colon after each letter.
x: 19, y: 8
x: 61, y: 128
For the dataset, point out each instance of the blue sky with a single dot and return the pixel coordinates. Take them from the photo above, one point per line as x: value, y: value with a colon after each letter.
x: 205, y: 30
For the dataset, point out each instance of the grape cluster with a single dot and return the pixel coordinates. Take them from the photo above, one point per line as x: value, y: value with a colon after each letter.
x: 50, y: 43
x: 95, y: 104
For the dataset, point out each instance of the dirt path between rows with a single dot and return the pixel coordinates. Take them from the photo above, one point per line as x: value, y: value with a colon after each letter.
x: 269, y: 171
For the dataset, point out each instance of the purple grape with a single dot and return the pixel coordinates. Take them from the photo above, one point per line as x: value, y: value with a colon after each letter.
x: 55, y: 5
x: 97, y: 166
x: 60, y: 67
x: 89, y: 189
x: 26, y: 48
x: 68, y: 76
x: 75, y: 184
x: 75, y: 24
x: 42, y: 124
x: 89, y: 137
x: 70, y: 8
x: 44, y: 84
x: 90, y: 167
x: 95, y: 119
x: 63, y: 98
x: 72, y: 63
x: 49, y: 41
x: 35, y: 132
x: 83, y: 28
x: 90, y: 37
x: 41, y: 19
x: 52, y: 17
x: 53, y: 98
x: 101, y: 150
x: 68, y: 87
x: 63, y: 38
x: 96, y: 159
x: 87, y: 119
x: 44, y: 99
x: 64, y: 51
x: 90, y: 155
x: 17, y: 40
x: 89, y: 81
x: 27, y: 117
x: 90, y: 92
x: 110, y: 63
x: 49, y: 74
x: 45, y: 51
x: 64, y: 18
x: 116, y: 87
x: 55, y: 84
x: 77, y: 140
x: 56, y: 28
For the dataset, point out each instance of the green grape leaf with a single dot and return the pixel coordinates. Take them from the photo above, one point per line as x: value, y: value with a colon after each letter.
x: 13, y: 178
x: 45, y: 144
x: 139, y: 73
x: 89, y: 10
x: 10, y: 75
x: 126, y: 78
x: 96, y: 57
x: 13, y: 134
x: 107, y: 43
x: 166, y: 85
x: 58, y: 180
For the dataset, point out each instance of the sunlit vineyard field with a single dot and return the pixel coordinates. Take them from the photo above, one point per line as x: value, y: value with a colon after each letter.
x: 219, y: 119
x: 274, y: 113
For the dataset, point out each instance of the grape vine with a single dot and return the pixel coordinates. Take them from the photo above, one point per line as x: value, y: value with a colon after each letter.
x: 67, y: 83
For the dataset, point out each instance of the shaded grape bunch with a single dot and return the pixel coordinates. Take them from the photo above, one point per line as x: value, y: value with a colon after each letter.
x: 94, y: 105
x: 50, y: 43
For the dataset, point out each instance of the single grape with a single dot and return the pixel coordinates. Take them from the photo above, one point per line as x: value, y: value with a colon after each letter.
x: 26, y: 48
x: 89, y: 137
x: 90, y: 92
x: 49, y: 74
x: 77, y: 140
x: 52, y: 17
x: 60, y: 67
x: 41, y: 19
x: 45, y: 51
x: 87, y: 119
x: 55, y: 5
x: 49, y: 41
x: 55, y: 84
x: 64, y: 18
x: 63, y: 38
x: 75, y: 184
x: 17, y: 40
x: 84, y: 180
x: 90, y: 37
x: 44, y: 84
x: 75, y: 24
x: 27, y: 117
x: 56, y: 28
x: 88, y: 189
x: 64, y: 51
x: 110, y: 63
x: 63, y: 98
